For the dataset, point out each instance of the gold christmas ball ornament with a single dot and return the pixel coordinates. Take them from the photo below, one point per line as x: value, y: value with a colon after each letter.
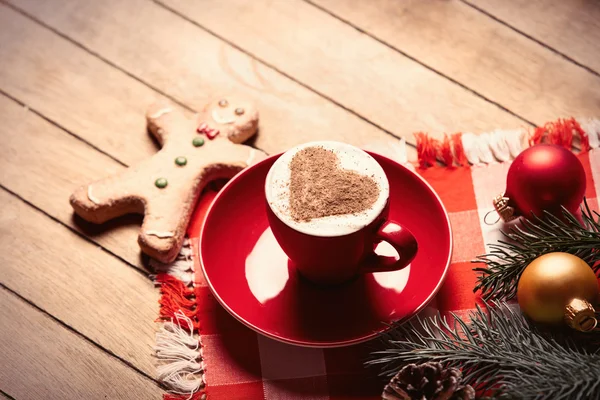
x: 559, y: 287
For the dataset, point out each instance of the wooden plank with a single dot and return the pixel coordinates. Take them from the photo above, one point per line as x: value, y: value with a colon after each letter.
x: 42, y: 360
x: 174, y: 55
x: 344, y: 64
x: 571, y: 27
x: 73, y: 88
x: 3, y: 396
x: 46, y: 178
x: 75, y: 281
x: 45, y: 175
x: 483, y: 54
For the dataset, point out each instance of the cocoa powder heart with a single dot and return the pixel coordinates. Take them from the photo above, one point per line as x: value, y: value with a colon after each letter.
x: 320, y: 188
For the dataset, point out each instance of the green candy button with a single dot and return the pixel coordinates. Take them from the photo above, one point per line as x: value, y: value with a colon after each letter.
x: 161, y: 183
x: 198, y: 141
x: 181, y: 161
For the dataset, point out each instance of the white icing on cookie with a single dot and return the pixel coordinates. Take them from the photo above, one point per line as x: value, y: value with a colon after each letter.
x: 161, y: 112
x: 92, y: 198
x: 222, y: 121
x: 159, y: 234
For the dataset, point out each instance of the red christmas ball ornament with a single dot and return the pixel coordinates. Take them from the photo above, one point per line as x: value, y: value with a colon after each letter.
x: 543, y: 177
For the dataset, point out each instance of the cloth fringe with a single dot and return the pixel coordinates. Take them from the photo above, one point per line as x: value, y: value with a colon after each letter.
x: 178, y: 350
x: 182, y: 268
x: 179, y: 357
x: 427, y: 149
x: 195, y: 396
x: 463, y: 149
x: 176, y: 297
x: 176, y: 285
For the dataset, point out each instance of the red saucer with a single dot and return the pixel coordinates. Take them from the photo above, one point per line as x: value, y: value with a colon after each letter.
x: 249, y: 275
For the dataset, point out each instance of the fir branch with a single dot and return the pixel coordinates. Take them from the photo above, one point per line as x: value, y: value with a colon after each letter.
x: 508, y: 258
x: 498, y: 352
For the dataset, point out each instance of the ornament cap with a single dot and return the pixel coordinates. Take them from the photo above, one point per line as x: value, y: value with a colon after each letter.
x: 580, y: 315
x: 506, y: 212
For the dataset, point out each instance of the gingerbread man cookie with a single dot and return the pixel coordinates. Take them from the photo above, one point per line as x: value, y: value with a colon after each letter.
x: 166, y: 187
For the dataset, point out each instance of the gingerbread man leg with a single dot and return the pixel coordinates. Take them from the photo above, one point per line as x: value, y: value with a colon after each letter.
x: 168, y: 212
x: 162, y: 233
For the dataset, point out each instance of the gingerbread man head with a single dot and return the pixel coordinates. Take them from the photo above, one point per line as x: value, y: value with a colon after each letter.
x: 233, y: 117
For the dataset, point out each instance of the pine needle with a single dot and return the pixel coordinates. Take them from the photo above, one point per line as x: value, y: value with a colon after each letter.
x: 499, y: 353
x: 508, y: 258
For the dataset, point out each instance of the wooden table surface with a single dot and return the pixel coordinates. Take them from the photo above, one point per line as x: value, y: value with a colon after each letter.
x: 76, y: 303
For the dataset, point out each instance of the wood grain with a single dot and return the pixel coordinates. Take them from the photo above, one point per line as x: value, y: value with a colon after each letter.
x: 3, y: 396
x: 45, y: 175
x: 51, y: 363
x: 571, y: 27
x: 78, y: 283
x: 342, y: 63
x: 174, y: 55
x: 148, y: 49
x: 481, y: 53
x: 73, y: 88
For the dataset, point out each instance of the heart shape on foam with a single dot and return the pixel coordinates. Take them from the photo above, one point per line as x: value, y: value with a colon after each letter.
x: 319, y: 187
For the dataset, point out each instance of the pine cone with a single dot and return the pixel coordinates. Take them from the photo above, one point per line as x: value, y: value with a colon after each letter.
x: 427, y: 381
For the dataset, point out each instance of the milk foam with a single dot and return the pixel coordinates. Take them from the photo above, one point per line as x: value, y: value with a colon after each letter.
x: 277, y: 191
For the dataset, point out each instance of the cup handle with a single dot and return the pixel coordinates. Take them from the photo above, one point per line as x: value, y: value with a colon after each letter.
x: 401, y: 239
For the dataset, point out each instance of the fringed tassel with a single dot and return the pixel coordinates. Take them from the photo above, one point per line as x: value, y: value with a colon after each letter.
x: 537, y: 136
x: 505, y: 145
x: 591, y: 128
x: 426, y: 149
x: 459, y: 151
x: 195, y: 396
x: 477, y: 148
x: 584, y: 139
x: 177, y: 349
x: 175, y: 297
x: 183, y: 266
x: 561, y: 132
x: 429, y: 150
x: 179, y: 357
x: 446, y: 152
x: 578, y: 131
x: 175, y: 280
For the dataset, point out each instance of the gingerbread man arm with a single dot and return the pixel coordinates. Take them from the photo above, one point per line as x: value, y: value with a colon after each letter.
x: 238, y: 156
x: 108, y: 198
x: 163, y: 121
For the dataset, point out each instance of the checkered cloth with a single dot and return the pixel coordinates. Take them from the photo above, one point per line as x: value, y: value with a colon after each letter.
x: 241, y: 364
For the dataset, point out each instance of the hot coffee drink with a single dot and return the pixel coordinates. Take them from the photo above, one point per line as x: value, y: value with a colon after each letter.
x: 326, y: 189
x: 327, y: 206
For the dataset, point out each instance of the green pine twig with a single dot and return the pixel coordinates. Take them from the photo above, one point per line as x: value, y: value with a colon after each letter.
x: 499, y: 353
x: 508, y: 258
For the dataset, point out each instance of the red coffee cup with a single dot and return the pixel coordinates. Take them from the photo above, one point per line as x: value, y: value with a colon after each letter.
x: 328, y: 257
